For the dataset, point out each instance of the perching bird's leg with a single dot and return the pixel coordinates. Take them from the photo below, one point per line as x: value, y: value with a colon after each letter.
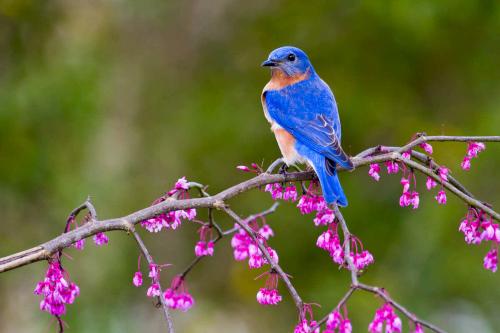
x: 283, y: 169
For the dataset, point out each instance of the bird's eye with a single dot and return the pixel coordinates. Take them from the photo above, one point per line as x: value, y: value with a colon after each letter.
x: 291, y: 57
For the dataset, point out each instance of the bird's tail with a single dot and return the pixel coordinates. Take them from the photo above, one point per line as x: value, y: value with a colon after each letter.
x: 328, y: 178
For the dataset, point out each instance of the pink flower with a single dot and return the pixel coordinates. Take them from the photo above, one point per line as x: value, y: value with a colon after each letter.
x: 305, y: 327
x: 56, y: 290
x: 101, y: 239
x: 430, y: 183
x: 79, y: 244
x: 266, y: 231
x: 154, y: 271
x: 406, y: 155
x: 405, y: 199
x: 392, y: 167
x: 362, y: 259
x: 466, y: 163
x: 418, y: 328
x: 443, y: 173
x: 385, y: 315
x: 203, y: 248
x: 310, y: 202
x: 406, y: 184
x: 181, y: 184
x: 137, y: 280
x: 177, y: 297
x: 474, y: 148
x: 336, y: 321
x: 243, y: 168
x: 275, y: 189
x: 374, y: 171
x: 153, y: 290
x: 324, y: 217
x: 268, y: 296
x: 290, y: 193
x: 441, y: 197
x: 491, y: 260
x: 426, y: 147
x: 330, y: 242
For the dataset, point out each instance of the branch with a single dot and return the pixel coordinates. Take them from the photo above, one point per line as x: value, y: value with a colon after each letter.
x: 46, y: 250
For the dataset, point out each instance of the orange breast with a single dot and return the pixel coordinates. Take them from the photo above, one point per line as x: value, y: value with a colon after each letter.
x: 280, y: 79
x: 286, y: 142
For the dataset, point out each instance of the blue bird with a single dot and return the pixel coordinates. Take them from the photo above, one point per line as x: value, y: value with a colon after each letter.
x: 303, y: 115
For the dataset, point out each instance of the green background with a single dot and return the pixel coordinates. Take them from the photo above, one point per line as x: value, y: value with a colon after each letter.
x: 118, y: 99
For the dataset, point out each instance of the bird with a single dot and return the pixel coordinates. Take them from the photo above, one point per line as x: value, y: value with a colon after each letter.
x: 303, y: 115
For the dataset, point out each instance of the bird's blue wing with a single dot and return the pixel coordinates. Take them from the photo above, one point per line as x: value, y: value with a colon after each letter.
x: 308, y: 111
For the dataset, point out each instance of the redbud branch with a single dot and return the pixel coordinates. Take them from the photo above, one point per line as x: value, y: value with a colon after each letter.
x: 46, y: 250
x: 284, y: 277
x: 150, y: 260
x: 347, y: 245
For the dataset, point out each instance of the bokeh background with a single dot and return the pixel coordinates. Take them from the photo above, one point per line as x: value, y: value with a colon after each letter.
x: 118, y: 99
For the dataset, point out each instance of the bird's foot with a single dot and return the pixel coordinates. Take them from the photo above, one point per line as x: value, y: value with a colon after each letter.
x: 283, y: 169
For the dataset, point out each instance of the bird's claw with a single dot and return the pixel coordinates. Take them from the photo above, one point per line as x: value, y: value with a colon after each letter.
x: 283, y: 169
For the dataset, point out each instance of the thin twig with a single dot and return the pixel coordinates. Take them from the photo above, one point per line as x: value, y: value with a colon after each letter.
x: 150, y: 260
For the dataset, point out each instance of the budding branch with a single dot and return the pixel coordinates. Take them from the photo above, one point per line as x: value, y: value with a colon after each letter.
x: 418, y: 161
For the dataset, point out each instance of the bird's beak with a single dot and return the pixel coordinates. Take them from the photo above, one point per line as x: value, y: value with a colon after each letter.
x: 269, y: 63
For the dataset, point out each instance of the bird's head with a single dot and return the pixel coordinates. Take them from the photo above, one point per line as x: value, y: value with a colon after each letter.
x: 290, y: 60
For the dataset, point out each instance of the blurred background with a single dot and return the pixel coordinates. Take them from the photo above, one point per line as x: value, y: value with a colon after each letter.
x: 118, y: 99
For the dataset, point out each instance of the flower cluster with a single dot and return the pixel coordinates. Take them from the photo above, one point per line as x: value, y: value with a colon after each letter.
x: 385, y: 315
x: 254, y: 167
x: 173, y: 219
x: 289, y: 193
x: 101, y: 239
x: 269, y: 295
x: 177, y: 296
x: 409, y: 197
x: 204, y: 247
x: 312, y: 202
x: 336, y: 322
x: 244, y: 246
x: 473, y: 149
x: 330, y: 242
x: 57, y: 291
x: 478, y: 227
x: 305, y: 325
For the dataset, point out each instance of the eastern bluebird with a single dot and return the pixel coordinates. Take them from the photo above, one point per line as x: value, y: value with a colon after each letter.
x: 303, y: 115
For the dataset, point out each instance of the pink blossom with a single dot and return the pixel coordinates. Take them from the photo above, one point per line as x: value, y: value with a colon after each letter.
x: 374, y: 171
x: 137, y: 280
x: 330, y: 242
x: 336, y: 321
x: 290, y: 193
x: 154, y: 271
x: 56, y: 290
x: 443, y: 173
x: 362, y: 259
x: 406, y: 184
x: 243, y: 168
x: 415, y: 199
x: 471, y: 228
x: 79, y: 244
x: 177, y: 296
x: 441, y: 197
x: 310, y: 202
x: 405, y: 199
x: 181, y: 184
x: 101, y: 239
x: 305, y: 326
x: 275, y: 189
x: 430, y: 183
x: 426, y: 147
x: 385, y: 315
x: 392, y: 167
x: 491, y: 231
x: 474, y: 148
x: 491, y: 260
x: 324, y: 217
x: 266, y: 231
x: 268, y: 296
x: 153, y: 290
x: 406, y: 155
x: 203, y: 248
x: 466, y: 163
x: 418, y: 328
